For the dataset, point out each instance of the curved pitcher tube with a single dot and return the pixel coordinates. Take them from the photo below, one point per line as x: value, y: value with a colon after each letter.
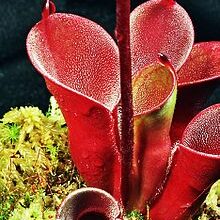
x: 153, y: 112
x: 191, y: 174
x: 80, y: 63
x: 194, y: 168
x: 93, y: 139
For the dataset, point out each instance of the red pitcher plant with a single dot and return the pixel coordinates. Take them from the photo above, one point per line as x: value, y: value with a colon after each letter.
x: 157, y: 144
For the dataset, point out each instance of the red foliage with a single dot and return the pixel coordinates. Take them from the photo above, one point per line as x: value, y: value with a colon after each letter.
x: 80, y: 63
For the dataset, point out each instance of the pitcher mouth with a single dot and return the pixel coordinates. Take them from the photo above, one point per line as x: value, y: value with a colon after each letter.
x: 91, y: 215
x: 196, y: 152
x: 169, y: 93
x: 88, y: 203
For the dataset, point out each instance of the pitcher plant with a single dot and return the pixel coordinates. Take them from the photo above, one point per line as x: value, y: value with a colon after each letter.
x: 139, y: 124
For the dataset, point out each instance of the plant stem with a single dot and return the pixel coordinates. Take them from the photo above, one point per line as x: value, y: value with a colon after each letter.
x: 123, y: 38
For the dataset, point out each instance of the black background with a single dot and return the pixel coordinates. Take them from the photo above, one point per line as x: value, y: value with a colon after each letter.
x: 21, y: 85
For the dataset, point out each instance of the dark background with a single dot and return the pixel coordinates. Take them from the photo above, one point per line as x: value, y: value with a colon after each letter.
x: 21, y: 85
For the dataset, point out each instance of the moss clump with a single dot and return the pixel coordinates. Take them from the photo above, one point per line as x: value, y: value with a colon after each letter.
x: 36, y: 171
x: 210, y: 209
x: 134, y: 215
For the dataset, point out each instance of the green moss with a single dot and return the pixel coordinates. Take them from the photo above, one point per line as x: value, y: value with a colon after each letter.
x: 10, y: 133
x: 211, y: 207
x: 36, y: 171
x: 134, y: 215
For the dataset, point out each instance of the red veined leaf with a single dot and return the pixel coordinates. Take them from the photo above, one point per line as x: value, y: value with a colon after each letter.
x: 203, y: 64
x: 160, y: 26
x: 78, y: 54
